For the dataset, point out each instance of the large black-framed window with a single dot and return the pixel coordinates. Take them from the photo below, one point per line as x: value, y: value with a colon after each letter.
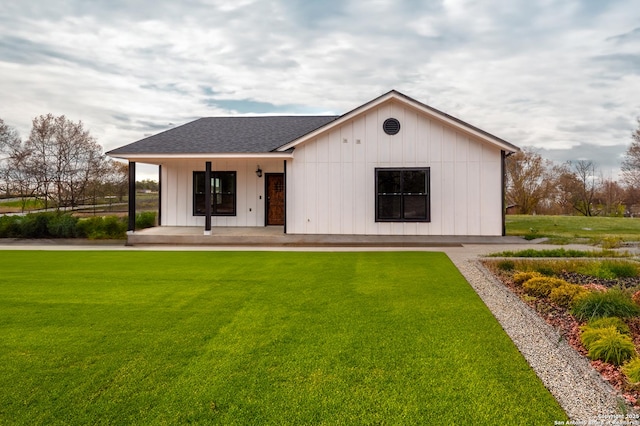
x: 223, y: 194
x: 402, y: 195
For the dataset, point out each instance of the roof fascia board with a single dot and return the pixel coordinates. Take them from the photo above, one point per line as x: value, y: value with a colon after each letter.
x: 151, y: 156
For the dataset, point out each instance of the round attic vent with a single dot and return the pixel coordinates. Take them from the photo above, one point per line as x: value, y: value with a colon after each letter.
x: 391, y: 126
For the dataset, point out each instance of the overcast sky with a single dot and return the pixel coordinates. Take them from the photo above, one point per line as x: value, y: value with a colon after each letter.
x: 561, y: 76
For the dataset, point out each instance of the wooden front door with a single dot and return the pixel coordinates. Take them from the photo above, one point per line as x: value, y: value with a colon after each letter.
x: 275, y: 198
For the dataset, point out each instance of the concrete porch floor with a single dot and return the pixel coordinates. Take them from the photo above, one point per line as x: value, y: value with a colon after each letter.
x: 275, y: 236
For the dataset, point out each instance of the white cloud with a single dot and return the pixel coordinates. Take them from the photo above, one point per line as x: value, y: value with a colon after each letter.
x: 555, y: 74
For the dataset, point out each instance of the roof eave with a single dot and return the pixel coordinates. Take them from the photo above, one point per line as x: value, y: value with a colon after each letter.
x: 205, y: 155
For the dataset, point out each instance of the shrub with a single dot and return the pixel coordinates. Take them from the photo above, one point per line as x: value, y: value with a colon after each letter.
x: 559, y: 252
x: 35, y: 225
x: 506, y: 265
x: 542, y: 286
x: 145, y: 220
x: 62, y: 226
x: 621, y: 269
x: 521, y: 277
x: 546, y: 270
x: 590, y: 335
x: 96, y: 228
x: 565, y: 294
x: 609, y: 269
x: 605, y: 322
x: 632, y: 370
x: 613, y: 303
x: 611, y: 242
x: 114, y: 227
x: 10, y: 226
x: 612, y: 347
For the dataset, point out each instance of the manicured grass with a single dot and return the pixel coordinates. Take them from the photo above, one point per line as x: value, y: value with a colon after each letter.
x: 18, y: 205
x: 569, y: 228
x: 254, y: 338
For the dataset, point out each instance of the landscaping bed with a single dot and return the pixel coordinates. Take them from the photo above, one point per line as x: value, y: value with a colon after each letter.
x: 584, y: 279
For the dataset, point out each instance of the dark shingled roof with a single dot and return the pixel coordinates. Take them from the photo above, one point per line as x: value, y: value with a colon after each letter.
x: 227, y: 135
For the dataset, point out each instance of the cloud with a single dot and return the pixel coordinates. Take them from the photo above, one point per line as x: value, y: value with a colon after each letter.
x: 558, y: 75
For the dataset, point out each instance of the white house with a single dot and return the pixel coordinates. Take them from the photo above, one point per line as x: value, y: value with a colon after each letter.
x: 393, y: 166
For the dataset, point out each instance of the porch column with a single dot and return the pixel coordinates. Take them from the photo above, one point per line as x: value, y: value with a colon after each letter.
x: 503, y: 172
x: 285, y: 195
x: 159, y: 195
x: 207, y: 198
x: 132, y: 196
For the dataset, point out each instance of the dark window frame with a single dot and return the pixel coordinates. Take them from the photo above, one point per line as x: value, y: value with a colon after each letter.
x: 217, y: 208
x: 403, y: 196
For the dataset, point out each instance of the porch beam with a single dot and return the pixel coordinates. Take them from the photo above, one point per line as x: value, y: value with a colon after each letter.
x: 207, y: 198
x: 132, y: 197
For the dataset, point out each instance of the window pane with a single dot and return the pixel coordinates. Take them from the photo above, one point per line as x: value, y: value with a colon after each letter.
x: 223, y: 186
x: 415, y: 207
x: 223, y: 193
x: 228, y: 184
x: 414, y: 182
x: 225, y: 204
x: 389, y: 182
x: 198, y: 184
x: 389, y: 206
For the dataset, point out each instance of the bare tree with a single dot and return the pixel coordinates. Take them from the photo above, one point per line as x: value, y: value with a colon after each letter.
x: 631, y: 162
x: 10, y: 144
x: 580, y: 186
x: 112, y: 182
x: 610, y: 198
x: 528, y: 180
x: 16, y: 177
x: 116, y: 179
x: 64, y: 158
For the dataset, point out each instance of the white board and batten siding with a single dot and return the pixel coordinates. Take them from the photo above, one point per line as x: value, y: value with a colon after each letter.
x: 177, y: 191
x: 331, y: 179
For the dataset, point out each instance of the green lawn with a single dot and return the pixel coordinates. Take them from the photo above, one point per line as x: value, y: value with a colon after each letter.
x: 569, y: 228
x: 254, y: 338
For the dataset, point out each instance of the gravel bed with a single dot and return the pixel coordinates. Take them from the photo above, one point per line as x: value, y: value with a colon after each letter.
x: 579, y: 389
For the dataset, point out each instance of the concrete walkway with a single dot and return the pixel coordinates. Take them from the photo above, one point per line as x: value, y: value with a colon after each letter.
x: 579, y: 389
x: 275, y: 236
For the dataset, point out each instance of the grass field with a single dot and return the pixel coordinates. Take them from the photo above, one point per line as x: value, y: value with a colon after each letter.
x: 254, y: 338
x: 564, y: 229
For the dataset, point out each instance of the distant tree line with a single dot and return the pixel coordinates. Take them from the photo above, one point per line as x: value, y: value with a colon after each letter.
x: 539, y: 186
x: 60, y: 163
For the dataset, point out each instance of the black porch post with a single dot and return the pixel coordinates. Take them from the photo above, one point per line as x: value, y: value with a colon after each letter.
x: 160, y: 195
x: 503, y: 171
x: 285, y: 195
x: 132, y: 196
x: 207, y: 198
